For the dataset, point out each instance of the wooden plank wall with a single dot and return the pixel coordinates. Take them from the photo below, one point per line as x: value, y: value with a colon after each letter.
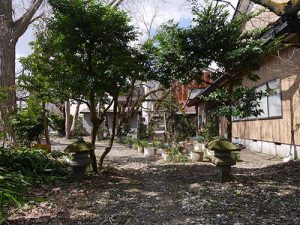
x: 285, y: 66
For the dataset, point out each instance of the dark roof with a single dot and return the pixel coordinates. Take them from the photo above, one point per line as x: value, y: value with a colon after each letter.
x: 280, y: 27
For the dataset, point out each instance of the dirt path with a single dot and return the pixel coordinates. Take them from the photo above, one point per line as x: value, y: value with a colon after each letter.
x: 147, y: 191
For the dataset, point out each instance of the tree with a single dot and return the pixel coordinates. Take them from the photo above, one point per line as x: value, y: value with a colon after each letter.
x: 10, y: 31
x: 184, y: 52
x: 36, y: 81
x: 89, y: 47
x: 135, y: 96
x: 243, y: 53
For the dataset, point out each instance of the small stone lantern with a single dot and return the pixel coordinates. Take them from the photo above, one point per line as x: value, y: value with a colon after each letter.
x: 81, y: 157
x: 222, y: 157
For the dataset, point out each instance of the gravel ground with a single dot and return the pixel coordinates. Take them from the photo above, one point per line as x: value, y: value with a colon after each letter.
x: 138, y: 190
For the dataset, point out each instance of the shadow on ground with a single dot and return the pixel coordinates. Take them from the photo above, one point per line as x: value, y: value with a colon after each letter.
x: 156, y: 193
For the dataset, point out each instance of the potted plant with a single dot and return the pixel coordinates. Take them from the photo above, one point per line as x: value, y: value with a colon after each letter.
x: 165, y: 155
x: 149, y: 150
x: 80, y: 151
x: 197, y: 155
x: 189, y: 146
x: 129, y: 141
x: 156, y: 145
x: 161, y: 148
x: 141, y: 145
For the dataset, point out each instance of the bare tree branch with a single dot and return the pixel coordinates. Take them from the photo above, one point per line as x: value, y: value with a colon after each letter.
x: 115, y: 3
x: 36, y: 18
x: 22, y: 24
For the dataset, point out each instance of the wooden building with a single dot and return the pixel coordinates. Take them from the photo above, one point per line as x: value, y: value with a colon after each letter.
x: 276, y: 131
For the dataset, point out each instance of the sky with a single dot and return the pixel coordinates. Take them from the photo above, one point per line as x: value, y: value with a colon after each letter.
x: 165, y: 10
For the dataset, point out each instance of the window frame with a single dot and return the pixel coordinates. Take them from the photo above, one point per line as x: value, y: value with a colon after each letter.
x: 268, y: 117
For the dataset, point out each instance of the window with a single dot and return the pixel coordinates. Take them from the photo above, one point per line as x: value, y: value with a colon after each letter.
x: 263, y: 102
x: 271, y: 104
x: 274, y: 99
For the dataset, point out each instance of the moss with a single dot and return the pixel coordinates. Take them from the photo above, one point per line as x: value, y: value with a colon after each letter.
x: 79, y: 147
x: 219, y: 145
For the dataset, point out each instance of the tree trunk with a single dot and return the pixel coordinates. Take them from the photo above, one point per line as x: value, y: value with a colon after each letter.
x: 68, y: 120
x: 7, y: 77
x: 229, y: 117
x: 107, y: 124
x: 112, y: 138
x: 96, y: 122
x: 10, y: 32
x: 45, y: 123
x: 229, y: 128
x: 75, y: 119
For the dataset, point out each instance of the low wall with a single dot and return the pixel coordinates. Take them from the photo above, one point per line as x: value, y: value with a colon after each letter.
x: 269, y: 148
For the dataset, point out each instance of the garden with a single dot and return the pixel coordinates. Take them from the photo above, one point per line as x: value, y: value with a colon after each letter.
x: 135, y: 155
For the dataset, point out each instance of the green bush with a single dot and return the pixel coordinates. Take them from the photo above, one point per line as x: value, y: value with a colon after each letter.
x: 184, y: 127
x: 175, y: 155
x: 21, y: 167
x: 143, y: 143
x: 36, y: 165
x: 11, y: 187
x: 210, y: 130
x: 57, y: 123
x: 144, y: 132
x: 130, y: 140
x: 27, y: 125
x: 78, y: 132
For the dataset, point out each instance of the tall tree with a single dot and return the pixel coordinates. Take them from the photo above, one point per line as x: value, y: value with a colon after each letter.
x: 35, y: 80
x: 91, y: 44
x: 182, y: 53
x: 10, y: 31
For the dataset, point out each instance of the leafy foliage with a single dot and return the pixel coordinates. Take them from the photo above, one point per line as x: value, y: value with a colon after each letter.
x: 57, y: 123
x: 241, y: 102
x: 209, y: 130
x: 175, y: 155
x: 144, y: 132
x: 90, y: 44
x: 11, y: 186
x: 182, y: 53
x: 79, y: 132
x: 21, y: 167
x: 35, y: 165
x: 27, y: 123
x: 185, y: 127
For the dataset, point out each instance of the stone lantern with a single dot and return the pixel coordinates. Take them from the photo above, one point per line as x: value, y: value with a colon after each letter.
x: 222, y: 157
x: 80, y: 151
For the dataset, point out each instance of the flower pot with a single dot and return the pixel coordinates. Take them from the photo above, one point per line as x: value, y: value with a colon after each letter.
x: 140, y: 149
x: 197, y: 156
x: 198, y: 147
x: 189, y: 147
x: 165, y: 156
x: 160, y: 151
x: 149, y: 151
